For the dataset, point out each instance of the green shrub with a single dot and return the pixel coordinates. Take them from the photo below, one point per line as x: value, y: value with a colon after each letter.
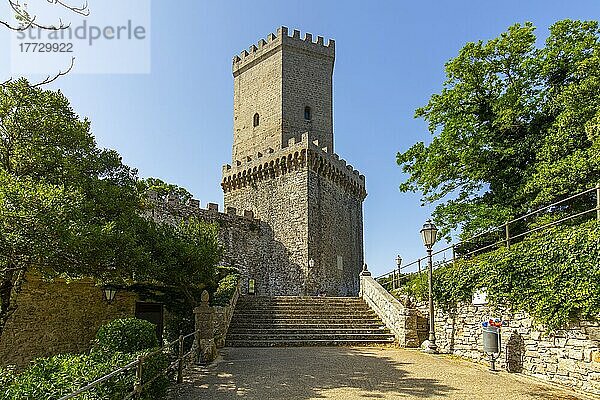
x: 127, y: 335
x: 225, y: 290
x: 52, y: 377
x: 552, y: 275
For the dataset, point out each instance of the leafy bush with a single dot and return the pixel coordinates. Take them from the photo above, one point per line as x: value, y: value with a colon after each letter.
x: 127, y: 335
x: 552, y: 275
x: 52, y: 377
x: 226, y: 290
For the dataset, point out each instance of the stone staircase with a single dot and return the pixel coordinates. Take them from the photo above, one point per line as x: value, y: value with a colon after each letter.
x: 305, y: 321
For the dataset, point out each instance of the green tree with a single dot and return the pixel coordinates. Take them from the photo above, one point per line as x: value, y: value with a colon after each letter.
x: 61, y: 197
x: 514, y: 126
x: 71, y: 209
x: 164, y: 189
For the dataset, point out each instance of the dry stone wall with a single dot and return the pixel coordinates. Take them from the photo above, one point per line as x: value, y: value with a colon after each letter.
x: 569, y: 357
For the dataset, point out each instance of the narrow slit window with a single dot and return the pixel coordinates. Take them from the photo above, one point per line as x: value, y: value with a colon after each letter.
x: 307, y: 113
x: 256, y: 121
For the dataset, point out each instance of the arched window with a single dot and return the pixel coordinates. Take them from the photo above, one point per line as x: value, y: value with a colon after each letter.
x: 256, y: 120
x: 307, y: 113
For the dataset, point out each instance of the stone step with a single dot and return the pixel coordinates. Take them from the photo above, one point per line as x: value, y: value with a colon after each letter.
x: 317, y: 331
x: 305, y: 343
x: 308, y: 300
x: 310, y: 336
x: 315, y: 300
x: 307, y: 321
x: 303, y: 324
x: 316, y: 313
x: 346, y: 309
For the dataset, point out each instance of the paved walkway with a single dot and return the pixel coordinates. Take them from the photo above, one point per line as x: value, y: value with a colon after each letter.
x: 303, y: 373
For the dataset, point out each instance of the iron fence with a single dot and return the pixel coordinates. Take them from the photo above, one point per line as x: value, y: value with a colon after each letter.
x: 477, y: 243
x: 139, y: 385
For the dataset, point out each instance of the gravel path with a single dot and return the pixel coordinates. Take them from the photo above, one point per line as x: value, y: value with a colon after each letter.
x: 303, y: 373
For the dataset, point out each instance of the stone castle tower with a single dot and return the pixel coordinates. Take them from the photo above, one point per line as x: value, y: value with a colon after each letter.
x: 285, y: 171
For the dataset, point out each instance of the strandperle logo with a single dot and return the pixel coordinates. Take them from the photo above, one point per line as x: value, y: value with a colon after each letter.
x: 86, y: 33
x: 114, y: 37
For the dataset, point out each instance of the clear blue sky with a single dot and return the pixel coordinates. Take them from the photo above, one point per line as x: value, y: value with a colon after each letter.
x: 176, y: 123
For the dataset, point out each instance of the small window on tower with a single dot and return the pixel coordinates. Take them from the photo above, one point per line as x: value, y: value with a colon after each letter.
x: 256, y: 120
x: 307, y: 113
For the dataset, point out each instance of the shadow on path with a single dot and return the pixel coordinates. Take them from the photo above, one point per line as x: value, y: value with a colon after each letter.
x: 305, y: 373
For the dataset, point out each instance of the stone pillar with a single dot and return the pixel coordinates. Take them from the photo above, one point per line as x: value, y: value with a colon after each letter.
x: 205, y: 338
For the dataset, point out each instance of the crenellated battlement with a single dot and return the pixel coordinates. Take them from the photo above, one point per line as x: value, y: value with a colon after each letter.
x: 298, y: 154
x: 170, y: 208
x: 266, y: 47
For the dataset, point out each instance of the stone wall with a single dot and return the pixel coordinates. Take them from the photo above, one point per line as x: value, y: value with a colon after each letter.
x: 284, y: 169
x: 399, y: 318
x: 58, y: 317
x: 568, y: 357
x: 335, y: 235
x: 276, y: 79
x: 249, y: 243
x: 312, y: 200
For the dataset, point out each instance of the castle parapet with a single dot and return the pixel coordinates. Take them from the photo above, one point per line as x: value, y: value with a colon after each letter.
x: 303, y: 151
x: 273, y: 42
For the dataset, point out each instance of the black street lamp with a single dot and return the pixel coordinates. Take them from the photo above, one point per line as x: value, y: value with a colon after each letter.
x: 399, y: 263
x: 429, y: 236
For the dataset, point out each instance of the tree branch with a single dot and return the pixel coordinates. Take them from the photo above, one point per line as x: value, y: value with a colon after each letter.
x: 50, y: 79
x: 28, y: 21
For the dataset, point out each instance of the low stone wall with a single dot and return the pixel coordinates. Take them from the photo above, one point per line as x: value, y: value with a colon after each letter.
x: 569, y: 357
x: 401, y: 320
x: 223, y: 316
x: 58, y: 317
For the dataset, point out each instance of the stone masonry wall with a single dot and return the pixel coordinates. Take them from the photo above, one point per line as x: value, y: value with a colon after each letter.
x: 276, y: 79
x: 223, y: 315
x: 58, y: 317
x: 335, y: 234
x: 569, y: 357
x: 307, y: 81
x: 399, y: 318
x: 248, y: 243
x: 312, y: 200
x: 284, y: 169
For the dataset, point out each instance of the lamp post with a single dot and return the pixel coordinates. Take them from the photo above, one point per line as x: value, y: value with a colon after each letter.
x: 429, y: 235
x: 399, y: 267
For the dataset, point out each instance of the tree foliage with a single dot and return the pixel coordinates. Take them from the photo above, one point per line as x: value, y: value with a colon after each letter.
x: 552, y: 275
x: 515, y: 126
x: 163, y: 189
x: 71, y: 209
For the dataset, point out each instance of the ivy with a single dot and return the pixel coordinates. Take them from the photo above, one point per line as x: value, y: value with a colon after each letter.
x: 553, y: 275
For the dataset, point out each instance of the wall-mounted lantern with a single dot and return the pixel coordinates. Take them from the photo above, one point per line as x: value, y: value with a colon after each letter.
x: 251, y: 286
x: 109, y: 292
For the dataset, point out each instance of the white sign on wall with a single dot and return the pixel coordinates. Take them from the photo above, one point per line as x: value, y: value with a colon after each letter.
x: 480, y: 297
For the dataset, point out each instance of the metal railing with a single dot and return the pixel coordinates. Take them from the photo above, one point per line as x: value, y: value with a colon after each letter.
x: 394, y: 277
x: 139, y: 385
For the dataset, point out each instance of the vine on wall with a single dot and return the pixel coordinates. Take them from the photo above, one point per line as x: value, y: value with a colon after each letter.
x: 553, y: 275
